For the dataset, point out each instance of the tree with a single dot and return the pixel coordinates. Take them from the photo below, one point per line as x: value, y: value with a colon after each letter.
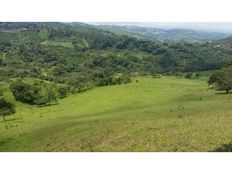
x: 45, y: 95
x: 63, y: 91
x: 24, y: 92
x: 188, y: 75
x: 38, y: 93
x: 7, y: 106
x: 51, y: 96
x: 178, y: 74
x: 222, y: 79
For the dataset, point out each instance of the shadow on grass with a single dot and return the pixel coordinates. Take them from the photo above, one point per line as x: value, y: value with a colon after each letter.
x: 222, y: 93
x: 47, y: 105
x: 12, y: 119
x: 224, y: 148
x: 5, y: 141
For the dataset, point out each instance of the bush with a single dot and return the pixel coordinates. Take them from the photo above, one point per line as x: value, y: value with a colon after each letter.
x: 24, y: 92
x: 192, y: 75
x: 178, y: 74
x: 188, y: 75
x: 78, y: 87
x: 38, y: 93
x: 63, y: 91
x: 7, y: 106
x: 221, y: 80
x: 113, y: 80
x: 46, y: 98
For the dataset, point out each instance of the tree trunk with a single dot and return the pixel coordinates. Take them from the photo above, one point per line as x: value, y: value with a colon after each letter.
x: 3, y: 117
x: 227, y: 91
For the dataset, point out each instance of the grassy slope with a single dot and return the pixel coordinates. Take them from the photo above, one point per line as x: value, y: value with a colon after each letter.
x: 162, y: 114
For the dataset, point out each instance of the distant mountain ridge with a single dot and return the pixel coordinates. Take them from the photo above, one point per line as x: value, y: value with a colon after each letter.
x: 168, y: 35
x: 158, y: 34
x: 4, y: 26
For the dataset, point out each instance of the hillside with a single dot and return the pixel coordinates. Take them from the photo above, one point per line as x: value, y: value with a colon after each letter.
x: 85, y: 56
x: 152, y: 114
x: 22, y: 26
x: 224, y: 45
x: 165, y: 35
x: 77, y: 87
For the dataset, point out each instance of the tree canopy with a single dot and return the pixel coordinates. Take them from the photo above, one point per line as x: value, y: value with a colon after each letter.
x: 222, y: 79
x: 82, y: 54
x: 7, y: 106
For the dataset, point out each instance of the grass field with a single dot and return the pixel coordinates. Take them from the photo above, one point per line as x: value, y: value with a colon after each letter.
x: 155, y: 114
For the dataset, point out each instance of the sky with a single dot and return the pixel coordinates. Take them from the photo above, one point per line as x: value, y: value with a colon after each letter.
x: 223, y: 27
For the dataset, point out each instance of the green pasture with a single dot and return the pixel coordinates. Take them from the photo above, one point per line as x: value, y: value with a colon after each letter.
x: 149, y: 114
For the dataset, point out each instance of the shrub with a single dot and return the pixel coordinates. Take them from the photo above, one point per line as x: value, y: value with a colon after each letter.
x: 7, y: 106
x: 221, y: 80
x: 63, y: 91
x: 38, y: 93
x: 188, y: 75
x: 24, y: 92
x: 113, y: 80
x: 178, y: 74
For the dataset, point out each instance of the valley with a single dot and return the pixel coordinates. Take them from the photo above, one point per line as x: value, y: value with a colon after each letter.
x: 75, y: 87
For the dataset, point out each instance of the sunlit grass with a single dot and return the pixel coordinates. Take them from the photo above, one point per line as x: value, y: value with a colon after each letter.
x: 155, y: 114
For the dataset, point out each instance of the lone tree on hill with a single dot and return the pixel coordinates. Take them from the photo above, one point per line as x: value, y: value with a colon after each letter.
x: 222, y: 79
x: 7, y: 107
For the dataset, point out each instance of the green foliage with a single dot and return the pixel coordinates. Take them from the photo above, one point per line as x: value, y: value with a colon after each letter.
x: 45, y: 95
x: 63, y: 91
x: 221, y: 80
x: 151, y: 111
x: 80, y: 45
x: 7, y: 106
x: 171, y: 35
x: 191, y: 75
x: 24, y: 92
x: 84, y: 56
x: 78, y: 53
x: 38, y: 93
x: 179, y: 74
x: 113, y: 80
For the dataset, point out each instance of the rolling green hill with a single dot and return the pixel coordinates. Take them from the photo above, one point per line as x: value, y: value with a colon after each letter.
x: 149, y: 114
x: 74, y: 53
x: 165, y: 35
x: 57, y: 68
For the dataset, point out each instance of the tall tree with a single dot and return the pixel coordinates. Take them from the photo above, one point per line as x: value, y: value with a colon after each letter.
x: 7, y: 106
x: 222, y: 79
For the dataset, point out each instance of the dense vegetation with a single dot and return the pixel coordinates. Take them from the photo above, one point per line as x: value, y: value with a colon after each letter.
x: 7, y: 103
x: 222, y: 79
x: 83, y: 56
x: 167, y: 35
x: 37, y: 93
